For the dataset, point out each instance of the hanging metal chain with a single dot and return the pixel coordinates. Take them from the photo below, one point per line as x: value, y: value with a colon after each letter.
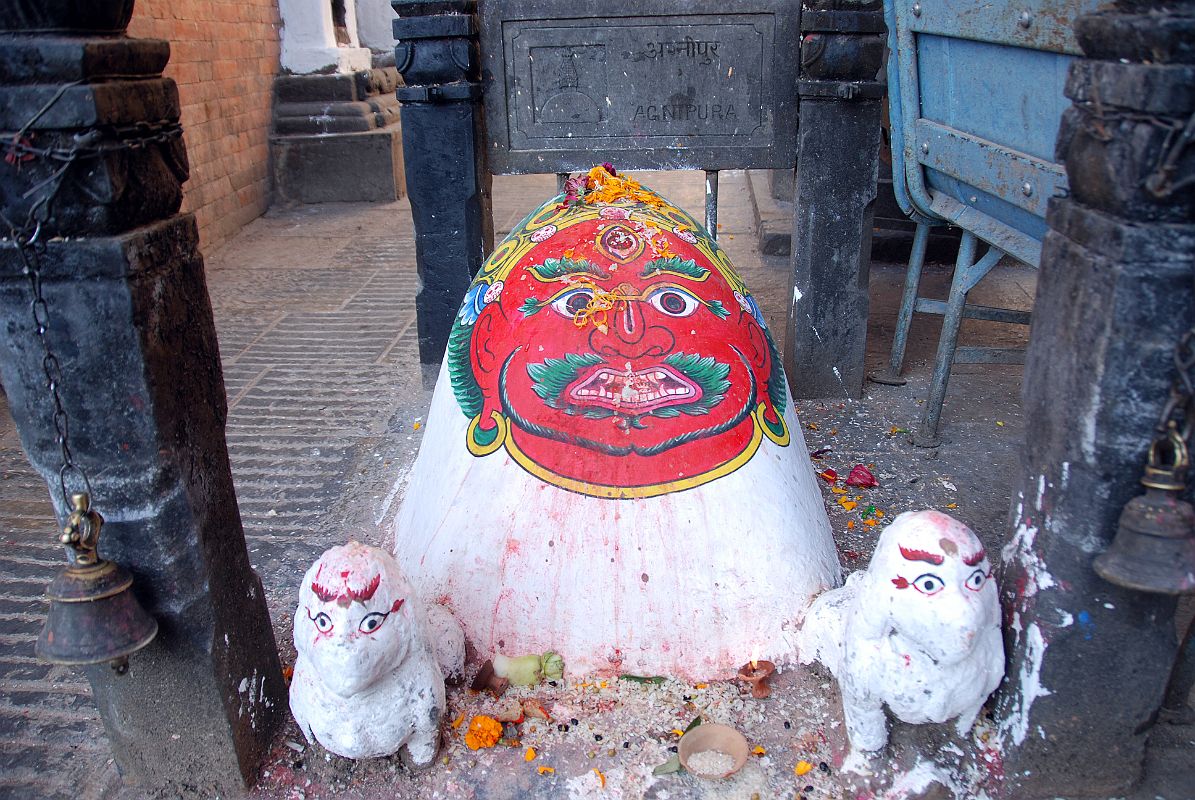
x: 1178, y: 414
x: 30, y: 242
x: 32, y: 248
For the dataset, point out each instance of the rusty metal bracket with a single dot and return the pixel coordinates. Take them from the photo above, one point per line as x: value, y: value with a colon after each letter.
x: 446, y: 93
x: 841, y: 90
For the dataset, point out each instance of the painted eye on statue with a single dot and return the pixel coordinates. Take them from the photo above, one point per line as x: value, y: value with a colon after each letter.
x: 928, y: 583
x: 674, y: 302
x: 371, y: 622
x: 572, y: 302
x: 976, y: 580
x: 323, y: 623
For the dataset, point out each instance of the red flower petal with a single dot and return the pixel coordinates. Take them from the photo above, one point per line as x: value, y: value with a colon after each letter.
x: 828, y: 475
x: 861, y: 476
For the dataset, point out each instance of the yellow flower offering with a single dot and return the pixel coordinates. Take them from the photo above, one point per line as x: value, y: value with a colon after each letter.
x: 483, y: 732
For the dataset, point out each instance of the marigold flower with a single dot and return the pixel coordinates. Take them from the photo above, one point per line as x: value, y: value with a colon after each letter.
x: 483, y: 732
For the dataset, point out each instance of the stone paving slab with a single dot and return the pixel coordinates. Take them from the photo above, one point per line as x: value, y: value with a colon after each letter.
x: 314, y: 309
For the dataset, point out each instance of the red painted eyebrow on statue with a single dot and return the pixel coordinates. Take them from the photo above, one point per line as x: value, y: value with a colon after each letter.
x: 921, y: 555
x: 971, y: 561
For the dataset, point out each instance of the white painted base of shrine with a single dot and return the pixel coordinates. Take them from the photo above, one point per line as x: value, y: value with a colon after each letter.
x: 692, y: 583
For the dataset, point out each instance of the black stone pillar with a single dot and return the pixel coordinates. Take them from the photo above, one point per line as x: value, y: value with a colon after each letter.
x: 130, y: 321
x: 1089, y: 661
x: 838, y: 142
x: 444, y: 155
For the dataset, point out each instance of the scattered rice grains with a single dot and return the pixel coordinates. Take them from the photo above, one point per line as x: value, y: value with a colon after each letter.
x: 711, y: 762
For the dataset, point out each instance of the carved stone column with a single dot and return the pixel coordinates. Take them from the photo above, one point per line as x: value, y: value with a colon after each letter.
x: 1089, y: 661
x: 93, y: 154
x: 444, y: 154
x: 842, y: 48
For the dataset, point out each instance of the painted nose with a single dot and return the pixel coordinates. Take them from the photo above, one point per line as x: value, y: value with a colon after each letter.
x: 630, y: 336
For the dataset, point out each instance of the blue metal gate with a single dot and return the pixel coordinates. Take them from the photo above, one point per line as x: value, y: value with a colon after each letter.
x: 975, y: 98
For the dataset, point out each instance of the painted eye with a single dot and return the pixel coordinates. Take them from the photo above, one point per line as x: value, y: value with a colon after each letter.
x: 976, y: 580
x: 371, y: 622
x: 928, y: 583
x: 674, y: 302
x: 323, y: 622
x: 572, y: 302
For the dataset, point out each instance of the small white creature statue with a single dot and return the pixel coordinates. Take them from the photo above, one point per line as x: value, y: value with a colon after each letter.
x: 367, y: 681
x: 918, y: 630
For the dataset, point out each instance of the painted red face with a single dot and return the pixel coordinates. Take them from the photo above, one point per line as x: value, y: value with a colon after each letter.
x: 611, y: 354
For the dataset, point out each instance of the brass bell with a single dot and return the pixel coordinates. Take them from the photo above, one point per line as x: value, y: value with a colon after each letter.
x: 1154, y: 548
x: 94, y: 616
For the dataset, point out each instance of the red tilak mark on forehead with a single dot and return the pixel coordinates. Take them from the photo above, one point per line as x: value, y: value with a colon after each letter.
x: 921, y: 555
x: 971, y: 561
x: 900, y: 583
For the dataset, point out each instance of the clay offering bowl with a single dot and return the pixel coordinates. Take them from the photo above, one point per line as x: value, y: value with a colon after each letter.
x: 712, y: 743
x: 755, y: 674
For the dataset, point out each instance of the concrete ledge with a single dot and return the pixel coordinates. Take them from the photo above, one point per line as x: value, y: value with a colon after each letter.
x: 339, y: 167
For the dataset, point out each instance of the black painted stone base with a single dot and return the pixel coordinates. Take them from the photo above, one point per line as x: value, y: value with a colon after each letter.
x: 1112, y: 300
x: 131, y: 322
x: 826, y: 335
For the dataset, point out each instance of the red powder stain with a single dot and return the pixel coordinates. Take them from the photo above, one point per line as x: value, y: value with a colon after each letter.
x: 994, y: 761
x: 503, y: 596
x: 512, y: 546
x: 908, y: 660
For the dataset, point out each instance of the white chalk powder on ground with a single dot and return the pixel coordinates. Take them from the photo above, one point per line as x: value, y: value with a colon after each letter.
x: 711, y: 762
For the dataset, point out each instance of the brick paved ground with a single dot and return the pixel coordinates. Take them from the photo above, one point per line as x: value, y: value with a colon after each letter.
x: 315, y: 313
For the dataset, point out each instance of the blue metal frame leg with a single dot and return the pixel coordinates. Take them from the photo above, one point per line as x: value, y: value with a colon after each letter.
x: 967, y: 273
x: 908, y: 301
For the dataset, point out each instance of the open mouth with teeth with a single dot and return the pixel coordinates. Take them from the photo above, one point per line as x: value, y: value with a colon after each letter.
x: 585, y: 384
x: 634, y: 392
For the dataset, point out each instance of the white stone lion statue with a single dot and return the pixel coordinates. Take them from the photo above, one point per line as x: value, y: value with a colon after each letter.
x: 917, y: 631
x: 367, y: 682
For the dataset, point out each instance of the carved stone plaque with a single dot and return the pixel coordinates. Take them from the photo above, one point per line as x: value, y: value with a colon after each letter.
x: 647, y: 85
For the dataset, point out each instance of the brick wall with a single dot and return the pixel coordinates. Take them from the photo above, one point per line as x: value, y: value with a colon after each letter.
x: 224, y: 56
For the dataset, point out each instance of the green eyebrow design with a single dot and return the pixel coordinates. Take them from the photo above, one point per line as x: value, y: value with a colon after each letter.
x: 555, y: 268
x: 688, y: 269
